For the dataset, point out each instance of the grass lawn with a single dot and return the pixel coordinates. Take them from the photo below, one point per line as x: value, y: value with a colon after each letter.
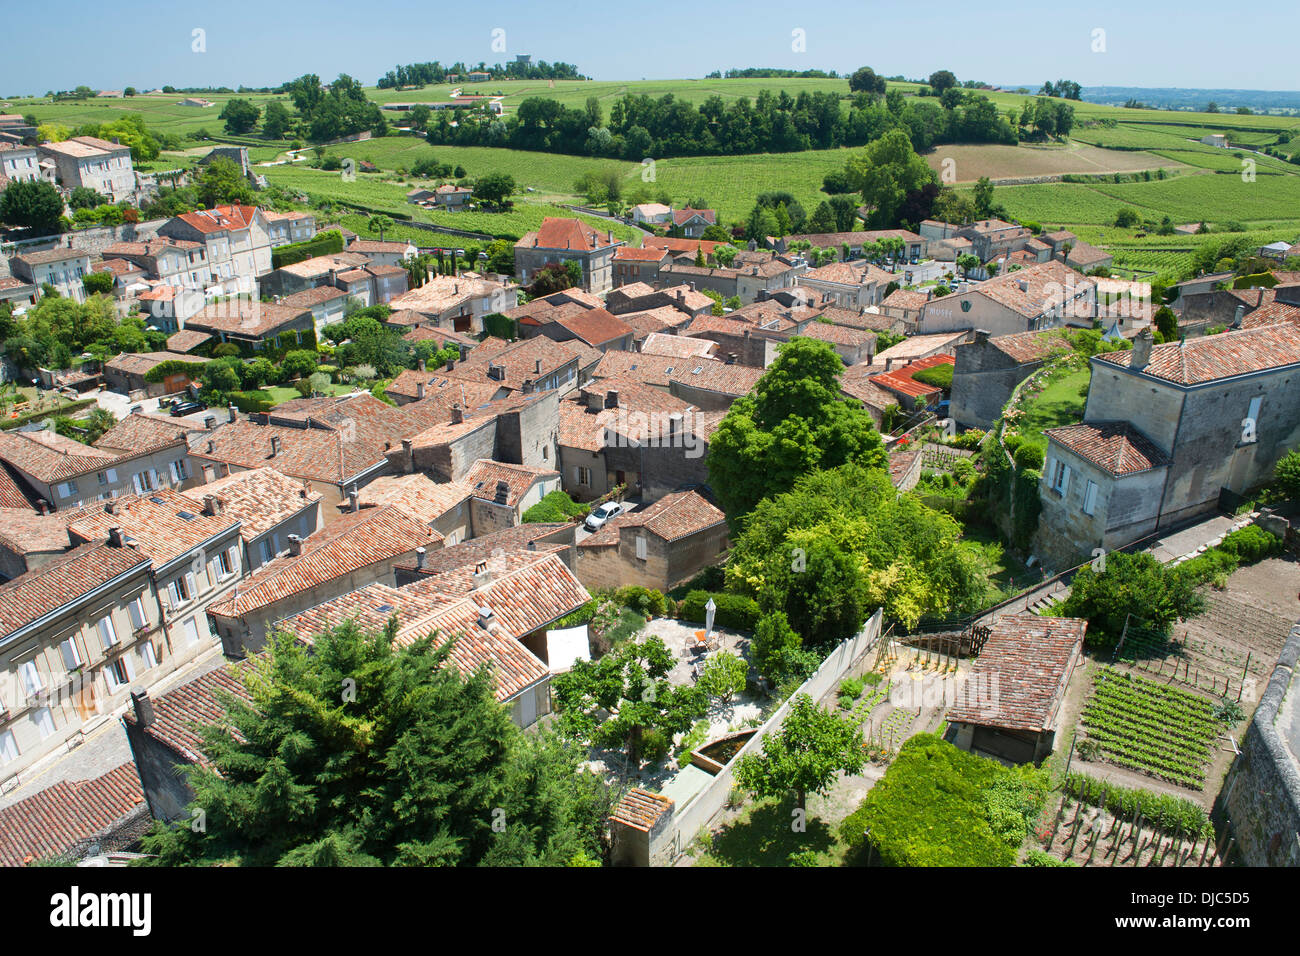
x: 762, y: 836
x: 1061, y: 402
x: 1001, y: 568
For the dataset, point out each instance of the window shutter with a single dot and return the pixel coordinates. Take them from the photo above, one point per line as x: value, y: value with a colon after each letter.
x: 1065, y: 480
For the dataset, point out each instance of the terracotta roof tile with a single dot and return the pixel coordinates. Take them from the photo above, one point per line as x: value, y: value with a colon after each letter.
x: 29, y: 597
x: 1214, y: 357
x: 53, y: 821
x: 1117, y: 447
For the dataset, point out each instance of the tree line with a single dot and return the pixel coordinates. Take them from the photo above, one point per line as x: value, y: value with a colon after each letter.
x: 434, y: 73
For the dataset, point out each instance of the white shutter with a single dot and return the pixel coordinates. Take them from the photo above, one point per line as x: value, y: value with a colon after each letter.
x: 71, y: 656
x: 191, y: 585
x: 32, y: 678
x: 111, y: 473
x: 1065, y: 480
x: 640, y: 548
x: 1090, y: 498
x: 130, y: 667
x: 8, y: 748
x: 135, y: 610
x: 107, y: 634
x: 139, y: 485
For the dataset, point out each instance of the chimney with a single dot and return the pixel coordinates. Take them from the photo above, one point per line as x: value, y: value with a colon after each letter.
x: 981, y: 336
x: 457, y: 414
x: 408, y: 455
x: 451, y: 364
x: 211, y: 505
x: 595, y: 401
x: 210, y: 422
x: 137, y: 409
x: 143, y: 708
x: 115, y: 537
x: 295, y: 545
x: 496, y: 372
x: 731, y: 358
x: 464, y: 350
x: 484, y: 616
x: 419, y: 556
x: 1024, y: 284
x: 537, y: 370
x: 1237, y: 316
x: 275, y: 445
x: 888, y: 363
x: 232, y: 412
x: 110, y: 507
x: 503, y: 492
x: 1141, y: 350
x: 611, y: 398
x: 43, y: 506
x: 421, y: 366
x: 354, y: 504
x: 419, y: 389
x: 212, y: 446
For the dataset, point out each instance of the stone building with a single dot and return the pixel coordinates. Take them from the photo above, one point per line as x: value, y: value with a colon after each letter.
x: 1167, y: 431
x: 989, y: 368
x: 1036, y: 297
x: 558, y: 241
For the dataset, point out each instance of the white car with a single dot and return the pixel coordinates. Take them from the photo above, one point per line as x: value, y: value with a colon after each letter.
x: 602, y: 513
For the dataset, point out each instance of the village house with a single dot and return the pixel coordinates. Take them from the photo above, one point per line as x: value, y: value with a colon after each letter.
x: 93, y: 163
x: 441, y: 506
x: 328, y: 305
x: 529, y: 365
x: 1036, y: 297
x: 72, y: 819
x: 357, y: 549
x: 1169, y: 432
x: 750, y: 277
x: 74, y: 635
x: 176, y: 272
x: 691, y: 223
x: 642, y: 297
x: 914, y: 246
x: 126, y: 373
x: 140, y: 454
x: 989, y: 368
x: 311, y: 273
x: 678, y: 346
x: 650, y: 213
x: 521, y: 430
x: 18, y: 293
x: 237, y: 241
x: 18, y: 164
x: 543, y: 537
x: 501, y: 492
x: 256, y: 325
x: 906, y: 306
x: 849, y: 285
x: 383, y: 252
x: 558, y: 241
x: 661, y: 546
x: 638, y: 265
x: 1010, y: 706
x: 61, y: 267
x: 270, y: 508
x: 595, y: 328
x: 909, y: 393
x: 458, y: 303
x: 283, y: 228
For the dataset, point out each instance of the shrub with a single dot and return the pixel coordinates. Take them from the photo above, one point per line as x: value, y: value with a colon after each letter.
x: 646, y: 601
x: 556, y: 507
x: 1286, y: 474
x: 1037, y: 857
x: 654, y: 745
x: 804, y: 858
x: 724, y: 676
x: 1251, y: 543
x: 963, y: 470
x: 851, y: 687
x: 969, y: 440
x: 1135, y: 586
x: 733, y: 610
x: 1028, y: 456
x: 939, y: 376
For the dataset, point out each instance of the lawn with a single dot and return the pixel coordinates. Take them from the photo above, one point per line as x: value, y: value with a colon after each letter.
x: 762, y: 836
x: 1061, y: 402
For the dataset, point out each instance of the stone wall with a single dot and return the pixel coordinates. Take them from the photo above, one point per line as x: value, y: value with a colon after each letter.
x: 1262, y: 797
x: 91, y: 241
x: 982, y: 382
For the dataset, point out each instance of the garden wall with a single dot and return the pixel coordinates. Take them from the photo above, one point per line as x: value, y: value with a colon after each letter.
x: 689, y: 819
x: 1262, y: 799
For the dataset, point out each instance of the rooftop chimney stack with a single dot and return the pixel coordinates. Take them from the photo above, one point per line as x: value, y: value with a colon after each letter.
x: 211, y: 505
x: 43, y: 506
x: 295, y: 545
x: 419, y: 556
x: 275, y: 445
x: 143, y: 708
x: 408, y: 455
x: 115, y: 539
x: 419, y: 389
x: 210, y: 422
x: 1141, y: 350
x: 457, y: 414
x: 354, y: 503
x: 595, y: 401
x: 233, y: 411
x: 137, y: 409
x: 421, y: 365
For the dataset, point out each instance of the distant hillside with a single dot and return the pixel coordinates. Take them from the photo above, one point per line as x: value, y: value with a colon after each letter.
x: 1260, y: 101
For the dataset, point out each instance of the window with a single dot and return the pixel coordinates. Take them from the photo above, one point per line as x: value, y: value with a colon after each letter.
x: 179, y: 472
x: 181, y: 590
x: 135, y: 610
x: 226, y: 563
x: 268, y: 551
x: 31, y: 678
x: 67, y: 489
x: 584, y: 476
x: 8, y: 748
x: 1090, y: 499
x: 71, y: 654
x: 108, y: 476
x: 148, y: 656
x: 640, y: 549
x: 107, y: 633
x: 1060, y: 477
x: 191, y: 631
x: 119, y: 673
x: 146, y: 480
x: 44, y: 722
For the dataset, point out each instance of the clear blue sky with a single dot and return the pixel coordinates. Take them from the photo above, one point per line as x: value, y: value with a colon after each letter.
x: 1193, y: 43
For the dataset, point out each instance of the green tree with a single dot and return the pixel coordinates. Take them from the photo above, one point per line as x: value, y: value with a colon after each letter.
x: 983, y: 196
x: 419, y: 116
x: 1132, y: 587
x: 795, y: 421
x: 885, y: 173
x: 32, y: 204
x: 812, y: 748
x: 240, y: 115
x: 724, y: 676
x: 98, y: 282
x: 778, y: 650
x: 496, y: 189
x: 298, y: 363
x: 276, y: 121
x: 222, y: 183
x: 380, y: 224
x: 630, y: 684
x: 354, y: 752
x: 942, y: 80
x: 865, y: 80
x: 1287, y: 474
x: 1166, y: 322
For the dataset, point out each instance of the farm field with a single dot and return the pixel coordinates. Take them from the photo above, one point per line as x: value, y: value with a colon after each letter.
x: 1014, y: 162
x: 1150, y: 727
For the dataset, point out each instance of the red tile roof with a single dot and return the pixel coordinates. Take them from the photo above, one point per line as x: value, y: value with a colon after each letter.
x: 1019, y: 678
x: 352, y: 542
x: 901, y: 379
x: 67, y: 578
x: 644, y: 254
x: 1117, y: 447
x: 260, y: 499
x: 179, y: 712
x: 55, y: 820
x: 572, y: 234
x: 220, y: 218
x: 140, y: 433
x: 596, y: 327
x: 641, y: 809
x: 1214, y: 357
x: 485, y: 474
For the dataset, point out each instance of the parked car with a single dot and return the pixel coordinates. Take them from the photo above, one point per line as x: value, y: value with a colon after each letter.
x: 180, y: 408
x: 602, y: 513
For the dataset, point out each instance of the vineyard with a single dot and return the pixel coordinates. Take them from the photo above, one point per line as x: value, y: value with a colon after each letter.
x: 1100, y: 824
x: 1218, y: 668
x: 1150, y: 727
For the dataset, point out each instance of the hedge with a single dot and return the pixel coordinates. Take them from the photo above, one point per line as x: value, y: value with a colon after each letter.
x: 555, y: 507
x: 250, y: 402
x: 323, y: 244
x: 940, y: 376
x: 733, y: 610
